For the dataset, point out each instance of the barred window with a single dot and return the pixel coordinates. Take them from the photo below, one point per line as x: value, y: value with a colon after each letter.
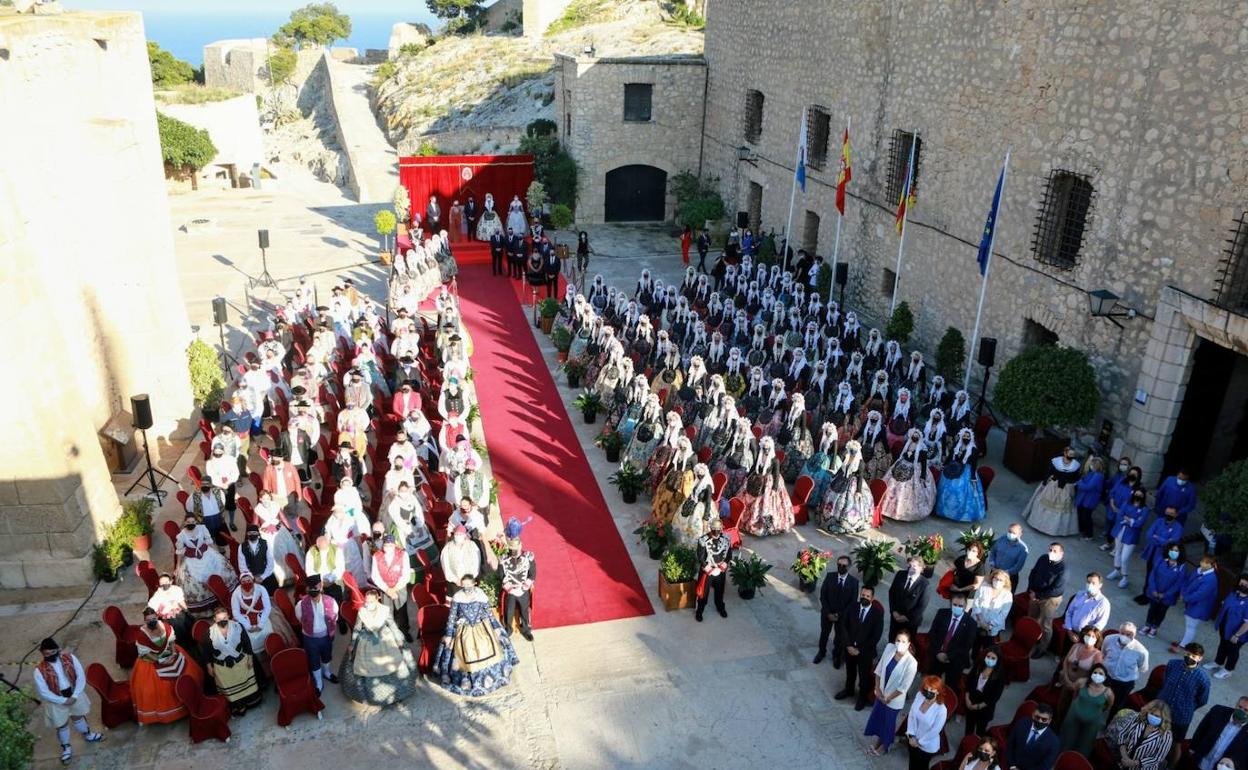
x: 818, y: 132
x: 1063, y: 219
x: 899, y: 161
x: 637, y: 98
x: 753, y: 115
x: 1232, y: 286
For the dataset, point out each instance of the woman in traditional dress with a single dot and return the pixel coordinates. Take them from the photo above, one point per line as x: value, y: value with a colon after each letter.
x: 668, y: 381
x: 624, y: 414
x: 646, y: 436
x: 448, y: 268
x: 736, y: 458
x: 198, y: 561
x: 252, y: 607
x: 848, y: 507
x: 795, y: 439
x: 960, y: 414
x: 476, y: 656
x: 276, y: 533
x: 677, y: 482
x: 231, y: 662
x: 960, y: 496
x: 822, y: 464
x: 693, y: 519
x: 879, y: 459
x: 347, y: 532
x: 841, y: 412
x: 935, y: 436
x: 669, y: 442
x: 403, y: 518
x: 695, y: 384
x: 457, y: 223
x: 911, y: 491
x: 609, y: 374
x: 901, y: 421
x: 515, y: 217
x: 756, y: 391
x: 768, y: 508
x: 1051, y: 509
x: 379, y: 668
x: 161, y: 661
x: 776, y: 401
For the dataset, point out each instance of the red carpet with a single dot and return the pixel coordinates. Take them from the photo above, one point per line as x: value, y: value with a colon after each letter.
x: 584, y: 571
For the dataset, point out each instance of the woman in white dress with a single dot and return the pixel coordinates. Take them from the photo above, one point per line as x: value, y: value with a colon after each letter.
x: 516, y: 221
x: 277, y: 534
x: 911, y: 489
x: 1051, y: 509
x: 346, y: 530
x: 199, y: 560
x: 490, y: 222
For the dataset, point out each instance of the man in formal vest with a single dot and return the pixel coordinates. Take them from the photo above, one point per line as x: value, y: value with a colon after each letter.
x: 318, y: 616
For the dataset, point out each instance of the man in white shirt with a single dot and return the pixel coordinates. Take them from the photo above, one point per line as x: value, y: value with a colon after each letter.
x: 1125, y: 659
x: 459, y: 557
x: 61, y: 684
x: 223, y: 470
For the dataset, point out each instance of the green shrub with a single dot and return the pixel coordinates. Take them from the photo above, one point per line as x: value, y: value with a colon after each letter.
x: 541, y: 127
x: 560, y: 216
x: 1224, y: 499
x: 207, y: 382
x: 697, y: 200
x: 135, y: 520
x: 315, y: 24
x: 679, y: 564
x: 183, y: 147
x: 427, y: 149
x: 408, y: 50
x: 552, y: 166
x: 823, y: 281
x: 281, y: 65
x: 901, y: 325
x: 17, y: 742
x: 951, y: 355
x: 535, y: 197
x: 384, y: 71
x: 578, y: 14
x: 1048, y: 387
x: 167, y: 69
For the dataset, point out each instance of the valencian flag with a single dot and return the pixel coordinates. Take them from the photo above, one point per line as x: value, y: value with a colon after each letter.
x: 985, y: 241
x: 800, y: 173
x: 907, y: 194
x: 846, y: 174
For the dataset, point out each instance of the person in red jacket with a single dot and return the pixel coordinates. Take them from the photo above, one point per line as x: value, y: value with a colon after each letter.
x: 282, y: 479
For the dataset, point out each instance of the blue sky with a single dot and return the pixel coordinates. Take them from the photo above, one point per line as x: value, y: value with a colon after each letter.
x: 399, y: 8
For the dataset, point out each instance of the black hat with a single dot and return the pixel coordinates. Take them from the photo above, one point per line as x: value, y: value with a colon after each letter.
x: 48, y: 644
x: 298, y: 390
x: 313, y: 581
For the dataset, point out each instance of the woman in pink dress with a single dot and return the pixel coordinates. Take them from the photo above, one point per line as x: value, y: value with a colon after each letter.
x: 768, y: 508
x: 911, y: 492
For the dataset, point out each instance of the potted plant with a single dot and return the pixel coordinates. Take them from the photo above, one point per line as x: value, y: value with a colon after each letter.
x: 629, y: 481
x: 611, y: 442
x: 384, y: 221
x: 491, y: 583
x: 901, y: 325
x: 135, y: 524
x: 809, y: 567
x: 656, y: 535
x: 17, y: 742
x: 678, y: 572
x: 1041, y: 389
x: 575, y: 369
x: 207, y: 382
x: 562, y: 337
x: 873, y: 558
x: 928, y: 548
x: 548, y: 309
x: 402, y: 201
x: 748, y: 575
x: 590, y: 403
x: 951, y: 355
x: 977, y: 534
x: 109, y: 556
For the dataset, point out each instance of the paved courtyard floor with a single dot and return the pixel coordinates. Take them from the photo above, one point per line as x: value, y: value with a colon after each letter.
x: 653, y: 692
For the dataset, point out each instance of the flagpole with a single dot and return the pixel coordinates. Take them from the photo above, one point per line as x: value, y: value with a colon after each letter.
x: 905, y: 217
x: 983, y: 287
x: 836, y: 247
x: 788, y: 228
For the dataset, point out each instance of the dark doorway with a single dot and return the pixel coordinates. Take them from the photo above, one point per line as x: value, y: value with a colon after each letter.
x: 1035, y: 333
x: 636, y: 194
x: 1211, y: 430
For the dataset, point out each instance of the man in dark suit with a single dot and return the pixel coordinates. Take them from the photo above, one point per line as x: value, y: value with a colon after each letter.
x: 471, y: 212
x: 907, y: 599
x: 836, y: 598
x: 498, y: 247
x: 515, y: 254
x: 864, y: 624
x: 1032, y: 743
x: 1223, y: 733
x: 949, y: 642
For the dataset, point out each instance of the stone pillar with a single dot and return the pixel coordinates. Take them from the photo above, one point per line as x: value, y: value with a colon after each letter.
x: 1163, y: 377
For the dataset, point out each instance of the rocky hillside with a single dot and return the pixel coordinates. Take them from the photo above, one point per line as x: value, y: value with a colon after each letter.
x: 477, y: 93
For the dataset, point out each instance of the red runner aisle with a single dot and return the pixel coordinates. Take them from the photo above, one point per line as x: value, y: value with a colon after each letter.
x: 584, y: 573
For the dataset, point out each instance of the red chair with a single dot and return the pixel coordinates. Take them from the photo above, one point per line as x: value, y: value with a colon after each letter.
x: 922, y: 642
x: 431, y: 621
x: 125, y: 653
x: 969, y: 743
x: 878, y: 488
x: 736, y: 508
x: 199, y: 631
x: 221, y: 591
x: 691, y: 432
x: 1001, y: 733
x: 184, y: 500
x: 286, y: 606
x: 982, y: 426
x: 1016, y: 651
x: 801, y: 496
x: 986, y: 475
x: 245, y: 508
x: 295, y: 691
x: 194, y: 475
x: 718, y: 481
x: 1072, y: 760
x: 353, y: 590
x: 704, y: 455
x: 421, y: 597
x: 1046, y: 693
x: 171, y: 530
x: 210, y: 714
x: 296, y: 569
x: 116, y: 708
x: 1138, y: 699
x: 349, y: 613
x: 757, y: 430
x: 273, y: 644
x: 935, y: 474
x: 148, y: 574
x: 780, y: 455
x: 257, y: 481
x: 205, y: 448
x: 1022, y: 605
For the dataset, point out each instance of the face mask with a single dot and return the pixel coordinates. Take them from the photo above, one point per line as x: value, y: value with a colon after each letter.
x: 990, y: 662
x: 1154, y: 720
x: 1054, y: 556
x: 314, y: 592
x: 165, y: 586
x: 153, y: 623
x: 1089, y: 640
x: 842, y: 569
x: 459, y: 538
x: 1174, y: 555
x: 189, y: 527
x: 1190, y: 661
x: 1171, y: 516
x: 1239, y: 715
x: 1011, y: 536
x: 1098, y: 678
x: 1124, y: 467
x: 1205, y: 570
x: 1038, y: 725
x: 223, y: 622
x: 1226, y: 766
x: 1137, y: 501
x: 929, y: 694
x: 1181, y: 482
x: 957, y: 610
x: 253, y: 538
x: 998, y: 584
x: 51, y: 656
x: 902, y: 646
x: 864, y: 602
x: 1243, y: 588
x: 1093, y: 588
x: 983, y: 756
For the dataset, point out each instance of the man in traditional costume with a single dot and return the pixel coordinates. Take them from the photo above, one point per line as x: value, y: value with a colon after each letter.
x: 391, y: 573
x: 170, y: 604
x: 318, y: 616
x: 327, y: 562
x: 61, y: 685
x: 714, y: 554
x: 518, y: 569
x: 256, y: 558
x: 460, y: 557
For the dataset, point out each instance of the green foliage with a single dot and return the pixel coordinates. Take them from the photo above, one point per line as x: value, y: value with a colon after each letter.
x: 901, y: 325
x: 609, y: 440
x: 474, y: 414
x: 548, y: 308
x: 541, y: 127
x: 684, y: 16
x: 384, y: 71
x: 951, y: 355
x: 810, y: 563
x: 628, y: 479
x: 823, y: 281
x: 462, y: 15
x: 491, y: 584
x: 578, y: 14
x: 409, y: 50
x: 194, y: 93
x: 1048, y: 387
x: 184, y: 147
x: 562, y: 338
x: 384, y: 221
x: 749, y: 573
x: 1225, y: 501
x: 977, y: 534
x: 315, y: 24
x: 17, y: 742
x: 535, y: 197
x: 402, y: 203
x: 655, y: 534
x: 207, y: 382
x: 552, y: 166
x: 874, y: 558
x: 427, y: 149
x: 679, y: 564
x: 588, y: 401
x: 135, y: 520
x: 167, y: 69
x: 560, y: 216
x: 108, y: 555
x: 281, y: 65
x: 697, y: 200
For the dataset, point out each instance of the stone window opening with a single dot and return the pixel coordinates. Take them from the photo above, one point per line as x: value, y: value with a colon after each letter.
x: 1036, y: 333
x: 888, y: 282
x: 1063, y: 219
x: 899, y: 161
x: 754, y: 115
x: 818, y: 132
x: 1232, y: 282
x: 637, y: 101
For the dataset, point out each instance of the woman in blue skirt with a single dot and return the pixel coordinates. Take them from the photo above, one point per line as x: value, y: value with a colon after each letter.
x: 960, y: 496
x: 893, y: 676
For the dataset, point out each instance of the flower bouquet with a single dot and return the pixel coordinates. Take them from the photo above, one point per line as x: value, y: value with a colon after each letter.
x: 809, y: 566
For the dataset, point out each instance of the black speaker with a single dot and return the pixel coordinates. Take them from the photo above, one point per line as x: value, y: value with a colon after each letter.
x: 988, y: 351
x: 743, y: 219
x: 264, y: 239
x: 842, y: 273
x: 219, y: 316
x: 141, y: 408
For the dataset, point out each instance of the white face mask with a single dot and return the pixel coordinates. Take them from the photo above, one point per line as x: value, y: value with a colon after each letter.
x: 1098, y: 678
x: 1089, y: 640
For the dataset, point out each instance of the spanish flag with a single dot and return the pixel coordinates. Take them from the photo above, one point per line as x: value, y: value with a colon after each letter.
x: 907, y: 194
x: 846, y: 174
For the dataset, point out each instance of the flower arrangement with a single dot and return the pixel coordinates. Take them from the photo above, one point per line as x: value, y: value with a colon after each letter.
x: 575, y: 367
x: 655, y: 534
x: 548, y: 308
x: 498, y: 544
x: 562, y: 338
x: 810, y: 564
x: 609, y: 439
x: 588, y: 401
x: 629, y: 481
x: 982, y: 535
x: 928, y: 548
x: 491, y: 584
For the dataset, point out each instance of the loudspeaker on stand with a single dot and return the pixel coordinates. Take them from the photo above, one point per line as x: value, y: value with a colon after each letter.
x: 264, y: 239
x: 219, y: 315
x: 988, y: 351
x: 141, y: 408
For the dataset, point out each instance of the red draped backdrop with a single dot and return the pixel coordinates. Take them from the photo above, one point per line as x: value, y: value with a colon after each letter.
x: 455, y: 177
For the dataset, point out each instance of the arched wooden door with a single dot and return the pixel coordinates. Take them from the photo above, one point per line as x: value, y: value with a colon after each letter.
x: 635, y: 193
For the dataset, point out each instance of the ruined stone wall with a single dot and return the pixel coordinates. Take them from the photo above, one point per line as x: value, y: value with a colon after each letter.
x: 236, y: 64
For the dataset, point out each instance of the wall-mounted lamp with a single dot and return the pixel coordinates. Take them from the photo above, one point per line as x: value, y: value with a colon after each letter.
x: 746, y: 154
x: 1103, y: 303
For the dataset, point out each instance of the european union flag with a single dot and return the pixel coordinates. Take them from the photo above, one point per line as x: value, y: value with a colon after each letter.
x: 985, y: 242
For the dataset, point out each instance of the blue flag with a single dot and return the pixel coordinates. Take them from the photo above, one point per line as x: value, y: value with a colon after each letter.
x: 985, y: 242
x: 800, y: 173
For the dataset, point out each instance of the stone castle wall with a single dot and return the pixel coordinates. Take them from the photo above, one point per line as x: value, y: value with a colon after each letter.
x: 1147, y: 99
x: 236, y: 64
x: 88, y: 287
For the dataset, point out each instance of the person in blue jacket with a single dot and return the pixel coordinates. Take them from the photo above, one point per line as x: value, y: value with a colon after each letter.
x: 1163, y: 586
x: 1119, y: 495
x: 1088, y: 491
x: 1232, y: 625
x: 1127, y: 532
x: 1178, y: 491
x: 1200, y: 597
x: 1164, y: 530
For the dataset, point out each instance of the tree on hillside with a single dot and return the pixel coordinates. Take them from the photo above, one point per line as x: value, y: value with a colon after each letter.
x: 184, y: 148
x: 460, y: 15
x: 314, y: 24
x: 281, y: 64
x: 167, y: 69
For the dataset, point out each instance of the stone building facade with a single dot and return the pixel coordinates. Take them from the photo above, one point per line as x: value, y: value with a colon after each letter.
x: 236, y: 64
x: 605, y: 133
x: 88, y: 287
